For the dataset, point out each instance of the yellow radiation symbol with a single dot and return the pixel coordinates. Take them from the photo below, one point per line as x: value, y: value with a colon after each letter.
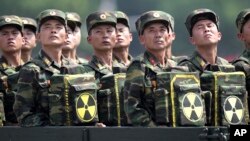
x: 233, y: 110
x: 192, y: 107
x: 86, y: 107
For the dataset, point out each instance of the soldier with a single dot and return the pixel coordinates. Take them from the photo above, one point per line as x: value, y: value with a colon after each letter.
x: 153, y: 29
x: 203, y: 28
x: 124, y: 37
x: 11, y: 41
x: 101, y: 27
x: 69, y: 50
x: 242, y: 62
x: 31, y: 106
x: 171, y: 38
x: 29, y: 34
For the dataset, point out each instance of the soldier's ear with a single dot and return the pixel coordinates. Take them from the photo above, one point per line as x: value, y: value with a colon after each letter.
x: 192, y: 41
x: 38, y: 37
x: 130, y: 37
x: 219, y: 35
x: 142, y: 39
x: 89, y: 39
x: 240, y: 36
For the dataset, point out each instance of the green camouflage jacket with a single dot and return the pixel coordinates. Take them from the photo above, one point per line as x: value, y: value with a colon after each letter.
x: 81, y: 60
x: 8, y: 76
x: 97, y: 67
x: 138, y: 89
x: 197, y: 63
x: 119, y: 64
x: 242, y: 63
x: 31, y: 105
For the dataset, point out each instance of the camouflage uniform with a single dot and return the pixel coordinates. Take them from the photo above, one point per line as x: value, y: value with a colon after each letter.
x: 74, y: 19
x: 8, y: 75
x: 31, y: 106
x: 138, y: 89
x: 196, y: 62
x: 242, y: 63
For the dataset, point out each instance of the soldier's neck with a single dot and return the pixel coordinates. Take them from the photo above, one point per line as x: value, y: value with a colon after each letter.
x: 105, y: 57
x: 13, y: 59
x: 169, y: 52
x: 70, y: 54
x: 122, y: 54
x: 26, y: 55
x: 209, y: 53
x: 160, y: 55
x: 55, y: 53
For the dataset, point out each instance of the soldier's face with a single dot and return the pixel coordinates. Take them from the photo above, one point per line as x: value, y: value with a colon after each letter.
x: 205, y: 33
x: 124, y: 37
x: 29, y: 38
x: 11, y: 39
x: 155, y: 37
x: 78, y: 36
x: 245, y: 35
x: 52, y: 33
x: 70, y: 41
x: 102, y: 37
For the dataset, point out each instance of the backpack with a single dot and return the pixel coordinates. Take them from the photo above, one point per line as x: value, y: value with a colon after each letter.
x: 179, y: 99
x: 229, y: 97
x: 111, y: 100
x: 73, y: 99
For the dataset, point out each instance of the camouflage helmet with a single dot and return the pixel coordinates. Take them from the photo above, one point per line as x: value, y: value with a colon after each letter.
x: 153, y: 16
x: 242, y: 18
x: 200, y: 14
x: 73, y: 17
x: 29, y: 23
x: 98, y: 18
x: 51, y: 14
x: 11, y: 20
x: 122, y: 18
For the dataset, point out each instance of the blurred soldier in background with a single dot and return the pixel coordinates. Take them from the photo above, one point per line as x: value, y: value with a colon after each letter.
x: 203, y: 28
x: 171, y: 38
x: 153, y: 29
x: 124, y: 37
x: 31, y: 106
x: 242, y: 63
x: 29, y: 34
x: 74, y: 39
x: 11, y: 41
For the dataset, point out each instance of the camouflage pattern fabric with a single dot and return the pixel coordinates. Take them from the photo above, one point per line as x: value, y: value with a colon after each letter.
x: 229, y: 104
x: 242, y: 63
x: 119, y: 66
x: 98, y: 68
x: 8, y: 88
x: 72, y: 99
x: 178, y: 99
x: 138, y: 89
x: 81, y: 60
x: 111, y: 100
x: 31, y: 105
x: 197, y: 63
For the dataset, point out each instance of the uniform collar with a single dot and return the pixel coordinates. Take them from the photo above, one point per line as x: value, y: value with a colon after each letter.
x: 98, y: 65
